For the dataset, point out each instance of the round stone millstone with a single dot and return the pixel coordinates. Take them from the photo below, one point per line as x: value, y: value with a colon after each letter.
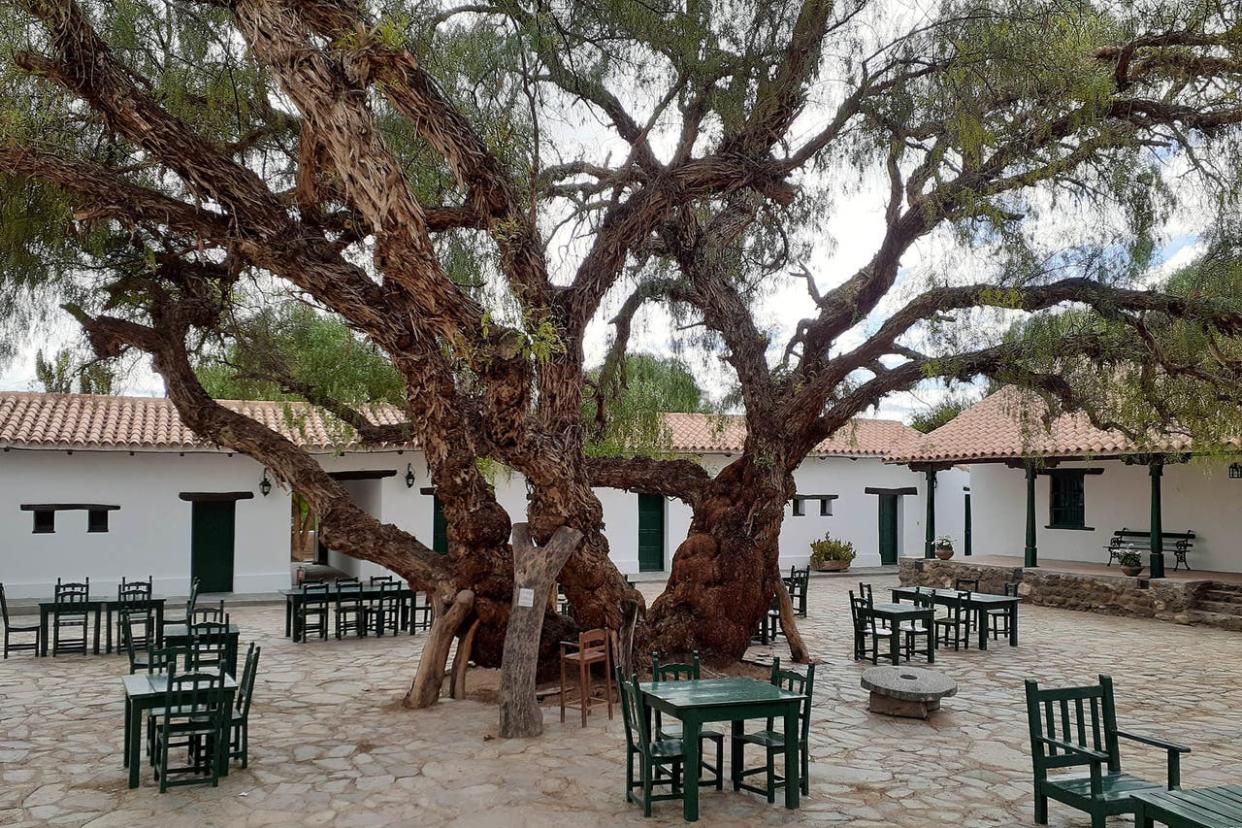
x: 909, y: 683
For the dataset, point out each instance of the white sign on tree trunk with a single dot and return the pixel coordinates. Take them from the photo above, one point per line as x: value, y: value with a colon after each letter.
x: 526, y: 597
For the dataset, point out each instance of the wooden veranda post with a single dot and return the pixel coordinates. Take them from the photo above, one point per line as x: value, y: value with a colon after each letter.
x: 1032, y: 554
x: 966, y: 532
x: 1156, y: 467
x: 929, y: 550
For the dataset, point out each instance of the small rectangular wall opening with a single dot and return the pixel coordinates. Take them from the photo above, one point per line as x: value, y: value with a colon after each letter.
x: 97, y: 520
x: 44, y: 521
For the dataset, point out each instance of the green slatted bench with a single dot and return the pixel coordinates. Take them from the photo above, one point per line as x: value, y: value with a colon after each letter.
x: 1203, y: 808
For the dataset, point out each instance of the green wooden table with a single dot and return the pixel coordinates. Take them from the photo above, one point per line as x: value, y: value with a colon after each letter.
x: 1202, y: 808
x: 734, y: 700
x: 146, y: 692
x: 897, y: 614
x: 978, y: 602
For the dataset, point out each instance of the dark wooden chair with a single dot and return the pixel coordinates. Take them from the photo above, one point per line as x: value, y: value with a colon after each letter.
x: 69, y: 614
x: 769, y: 624
x: 191, y: 602
x: 773, y: 741
x: 592, y: 647
x: 139, y: 655
x: 312, y: 614
x: 351, y: 611
x: 1075, y: 726
x: 383, y: 611
x: 420, y: 613
x: 212, y: 613
x: 798, y: 584
x: 998, y: 618
x: 954, y: 627
x: 11, y: 629
x: 690, y: 671
x: 239, y: 716
x: 864, y: 591
x: 193, y: 715
x: 659, y: 760
x: 138, y: 618
x: 210, y: 644
x: 966, y: 584
x: 867, y: 634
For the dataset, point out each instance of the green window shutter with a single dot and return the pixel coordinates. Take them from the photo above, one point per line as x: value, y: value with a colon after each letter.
x: 1068, y: 504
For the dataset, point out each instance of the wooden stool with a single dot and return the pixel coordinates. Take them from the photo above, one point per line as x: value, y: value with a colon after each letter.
x: 593, y: 647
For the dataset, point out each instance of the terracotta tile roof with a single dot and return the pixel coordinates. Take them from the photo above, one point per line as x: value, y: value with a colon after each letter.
x: 727, y: 433
x: 85, y: 421
x: 1011, y: 424
x: 89, y: 422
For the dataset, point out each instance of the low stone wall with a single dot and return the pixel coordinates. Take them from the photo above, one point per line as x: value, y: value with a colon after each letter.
x: 1114, y: 595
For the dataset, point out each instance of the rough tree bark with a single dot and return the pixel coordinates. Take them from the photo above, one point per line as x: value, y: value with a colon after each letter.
x: 725, y: 572
x: 534, y: 569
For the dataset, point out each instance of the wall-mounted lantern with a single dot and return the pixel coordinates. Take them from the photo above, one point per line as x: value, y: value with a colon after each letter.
x: 265, y: 485
x: 409, y: 475
x: 1235, y: 471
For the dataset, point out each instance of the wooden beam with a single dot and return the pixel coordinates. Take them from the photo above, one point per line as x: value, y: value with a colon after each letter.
x: 215, y: 497
x: 363, y: 475
x: 64, y: 507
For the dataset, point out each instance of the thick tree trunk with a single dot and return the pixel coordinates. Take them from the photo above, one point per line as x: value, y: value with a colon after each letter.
x: 535, y: 568
x: 425, y: 691
x: 725, y: 573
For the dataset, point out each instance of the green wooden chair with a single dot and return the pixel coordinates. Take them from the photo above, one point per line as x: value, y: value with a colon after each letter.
x: 351, y: 616
x: 1087, y: 735
x: 954, y: 627
x: 11, y: 629
x: 139, y: 654
x: 659, y: 760
x: 312, y: 615
x: 773, y: 741
x: 193, y: 715
x: 690, y: 671
x: 239, y: 717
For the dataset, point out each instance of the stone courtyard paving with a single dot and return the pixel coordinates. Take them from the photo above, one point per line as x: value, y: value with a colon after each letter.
x: 331, y: 744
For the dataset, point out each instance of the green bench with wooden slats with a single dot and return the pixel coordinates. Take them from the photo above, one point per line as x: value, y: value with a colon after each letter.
x: 1204, y: 808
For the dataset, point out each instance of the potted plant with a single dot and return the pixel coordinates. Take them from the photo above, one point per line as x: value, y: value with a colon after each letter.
x: 1131, y: 562
x: 831, y: 555
x: 944, y: 547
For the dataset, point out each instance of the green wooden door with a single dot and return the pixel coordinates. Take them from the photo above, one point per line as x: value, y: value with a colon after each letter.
x: 439, y: 528
x: 888, y: 528
x: 650, y: 533
x: 211, y: 544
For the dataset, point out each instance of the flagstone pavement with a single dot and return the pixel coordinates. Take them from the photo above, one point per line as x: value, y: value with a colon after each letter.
x: 331, y: 744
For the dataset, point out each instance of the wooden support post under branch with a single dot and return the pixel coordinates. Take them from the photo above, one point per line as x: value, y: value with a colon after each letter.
x: 534, y: 570
x: 430, y: 678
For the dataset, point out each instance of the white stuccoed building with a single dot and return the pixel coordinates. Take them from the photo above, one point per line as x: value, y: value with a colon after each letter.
x: 112, y: 487
x: 1052, y: 491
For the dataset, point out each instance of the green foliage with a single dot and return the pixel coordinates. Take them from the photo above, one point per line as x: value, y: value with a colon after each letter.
x: 634, y: 425
x: 939, y: 413
x: 1130, y: 557
x: 829, y: 548
x: 297, y: 343
x: 58, y: 374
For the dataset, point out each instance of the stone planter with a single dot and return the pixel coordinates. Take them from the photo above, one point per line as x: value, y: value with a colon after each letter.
x: 831, y: 566
x: 1132, y: 571
x: 944, y: 553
